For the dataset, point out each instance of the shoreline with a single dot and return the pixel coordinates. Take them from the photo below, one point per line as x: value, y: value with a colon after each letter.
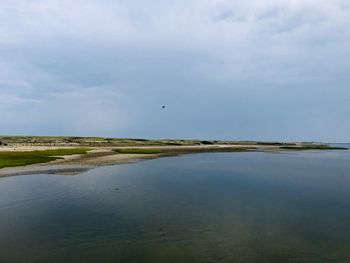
x: 104, y: 156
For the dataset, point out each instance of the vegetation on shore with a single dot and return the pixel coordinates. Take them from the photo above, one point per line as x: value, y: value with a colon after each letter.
x: 184, y: 150
x: 75, y: 141
x: 57, y: 147
x: 120, y: 142
x: 312, y: 147
x: 21, y: 158
x: 138, y: 151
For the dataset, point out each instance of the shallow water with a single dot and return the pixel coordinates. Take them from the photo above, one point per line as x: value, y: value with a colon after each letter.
x: 214, y: 207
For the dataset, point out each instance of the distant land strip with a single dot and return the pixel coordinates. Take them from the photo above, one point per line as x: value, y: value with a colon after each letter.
x: 55, y: 154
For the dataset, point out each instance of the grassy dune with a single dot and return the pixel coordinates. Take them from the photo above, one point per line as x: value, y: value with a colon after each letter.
x: 101, y: 141
x: 11, y: 159
x: 90, y: 141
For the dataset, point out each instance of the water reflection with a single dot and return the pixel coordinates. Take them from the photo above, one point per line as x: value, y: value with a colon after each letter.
x: 217, y: 207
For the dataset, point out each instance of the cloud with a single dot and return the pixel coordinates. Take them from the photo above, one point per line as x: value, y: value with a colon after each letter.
x: 104, y: 67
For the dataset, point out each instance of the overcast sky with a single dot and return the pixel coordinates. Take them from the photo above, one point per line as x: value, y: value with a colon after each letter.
x: 259, y: 69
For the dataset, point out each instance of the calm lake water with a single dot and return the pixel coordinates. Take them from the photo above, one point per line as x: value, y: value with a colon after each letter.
x: 214, y: 207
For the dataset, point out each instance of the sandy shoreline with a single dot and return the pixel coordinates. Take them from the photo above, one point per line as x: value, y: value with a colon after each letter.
x: 101, y: 156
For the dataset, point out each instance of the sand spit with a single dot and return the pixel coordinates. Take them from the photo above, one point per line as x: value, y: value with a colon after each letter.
x: 100, y: 156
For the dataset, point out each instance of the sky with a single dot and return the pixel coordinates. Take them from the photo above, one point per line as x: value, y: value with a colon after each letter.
x: 239, y: 70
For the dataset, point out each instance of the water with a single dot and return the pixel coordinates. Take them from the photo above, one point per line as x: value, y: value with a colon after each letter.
x: 215, y: 207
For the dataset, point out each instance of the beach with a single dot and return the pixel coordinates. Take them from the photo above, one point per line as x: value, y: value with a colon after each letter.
x: 99, y: 155
x: 61, y: 152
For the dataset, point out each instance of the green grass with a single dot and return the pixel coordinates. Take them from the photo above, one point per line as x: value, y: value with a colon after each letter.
x: 176, y: 151
x: 11, y: 159
x: 60, y: 152
x: 312, y: 147
x: 137, y: 151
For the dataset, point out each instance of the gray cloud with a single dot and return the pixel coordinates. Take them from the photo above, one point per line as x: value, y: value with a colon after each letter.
x: 225, y: 69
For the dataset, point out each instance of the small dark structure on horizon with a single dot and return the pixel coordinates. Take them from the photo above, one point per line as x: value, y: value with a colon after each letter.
x: 206, y: 142
x: 3, y: 144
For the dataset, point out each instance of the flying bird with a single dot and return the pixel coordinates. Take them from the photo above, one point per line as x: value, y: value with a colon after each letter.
x: 163, y: 107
